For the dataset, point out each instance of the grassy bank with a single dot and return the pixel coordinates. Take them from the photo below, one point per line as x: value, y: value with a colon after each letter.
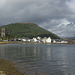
x: 8, y: 68
x: 15, y: 42
x: 11, y: 42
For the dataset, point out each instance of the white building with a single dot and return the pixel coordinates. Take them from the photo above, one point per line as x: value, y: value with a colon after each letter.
x: 44, y: 39
x: 35, y: 40
x: 59, y: 41
x: 28, y: 40
x: 48, y: 40
x: 24, y: 40
x: 39, y: 38
x: 64, y: 41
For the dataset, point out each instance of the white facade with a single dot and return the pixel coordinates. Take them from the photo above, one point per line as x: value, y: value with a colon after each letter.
x: 28, y: 40
x: 44, y: 39
x: 38, y: 38
x: 62, y: 41
x: 34, y: 40
x: 24, y: 40
x: 48, y: 40
x: 54, y: 41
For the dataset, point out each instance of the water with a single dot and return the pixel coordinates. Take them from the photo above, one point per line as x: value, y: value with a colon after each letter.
x: 41, y: 59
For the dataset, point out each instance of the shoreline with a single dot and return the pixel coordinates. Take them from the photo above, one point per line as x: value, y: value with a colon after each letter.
x: 8, y: 68
x: 17, y: 42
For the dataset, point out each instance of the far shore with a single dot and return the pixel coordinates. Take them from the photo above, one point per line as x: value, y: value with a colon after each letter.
x: 16, y: 42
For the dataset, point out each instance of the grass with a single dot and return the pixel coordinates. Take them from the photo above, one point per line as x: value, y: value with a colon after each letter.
x: 8, y: 68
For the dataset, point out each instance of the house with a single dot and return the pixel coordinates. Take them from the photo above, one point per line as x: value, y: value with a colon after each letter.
x: 18, y: 39
x: 35, y: 40
x: 64, y: 41
x: 28, y: 40
x: 39, y: 38
x: 46, y: 40
x: 59, y: 41
x: 24, y: 39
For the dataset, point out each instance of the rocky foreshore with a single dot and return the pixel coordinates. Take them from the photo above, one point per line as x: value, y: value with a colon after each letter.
x: 8, y: 68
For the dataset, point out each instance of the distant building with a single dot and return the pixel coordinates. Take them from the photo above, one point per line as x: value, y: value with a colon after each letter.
x: 46, y: 40
x: 59, y: 41
x: 35, y: 40
x: 3, y: 32
x: 24, y: 39
x: 39, y: 38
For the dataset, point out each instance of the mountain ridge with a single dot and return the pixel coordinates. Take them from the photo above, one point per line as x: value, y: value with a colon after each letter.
x: 27, y: 30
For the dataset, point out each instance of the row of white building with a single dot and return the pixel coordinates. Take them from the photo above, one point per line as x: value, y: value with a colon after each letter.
x: 42, y: 40
x: 37, y: 39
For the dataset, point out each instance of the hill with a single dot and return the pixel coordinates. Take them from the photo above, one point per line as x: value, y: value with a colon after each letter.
x: 70, y: 37
x: 26, y: 30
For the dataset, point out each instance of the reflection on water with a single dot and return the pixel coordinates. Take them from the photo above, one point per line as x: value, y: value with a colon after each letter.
x: 2, y: 51
x: 41, y: 59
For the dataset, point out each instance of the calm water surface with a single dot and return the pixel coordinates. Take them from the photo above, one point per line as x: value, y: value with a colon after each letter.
x: 41, y: 59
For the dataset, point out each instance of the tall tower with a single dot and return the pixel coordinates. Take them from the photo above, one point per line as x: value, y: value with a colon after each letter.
x: 3, y: 32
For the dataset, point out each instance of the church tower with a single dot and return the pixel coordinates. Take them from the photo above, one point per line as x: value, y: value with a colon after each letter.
x: 3, y: 32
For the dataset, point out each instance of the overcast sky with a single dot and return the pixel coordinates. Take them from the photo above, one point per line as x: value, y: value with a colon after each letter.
x: 57, y: 16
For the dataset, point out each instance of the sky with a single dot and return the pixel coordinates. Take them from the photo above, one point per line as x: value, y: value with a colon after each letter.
x: 57, y: 16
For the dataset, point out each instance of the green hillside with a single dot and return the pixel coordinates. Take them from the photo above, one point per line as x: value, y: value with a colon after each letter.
x: 26, y: 30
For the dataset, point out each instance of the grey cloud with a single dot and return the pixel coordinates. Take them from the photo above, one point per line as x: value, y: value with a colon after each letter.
x: 49, y: 14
